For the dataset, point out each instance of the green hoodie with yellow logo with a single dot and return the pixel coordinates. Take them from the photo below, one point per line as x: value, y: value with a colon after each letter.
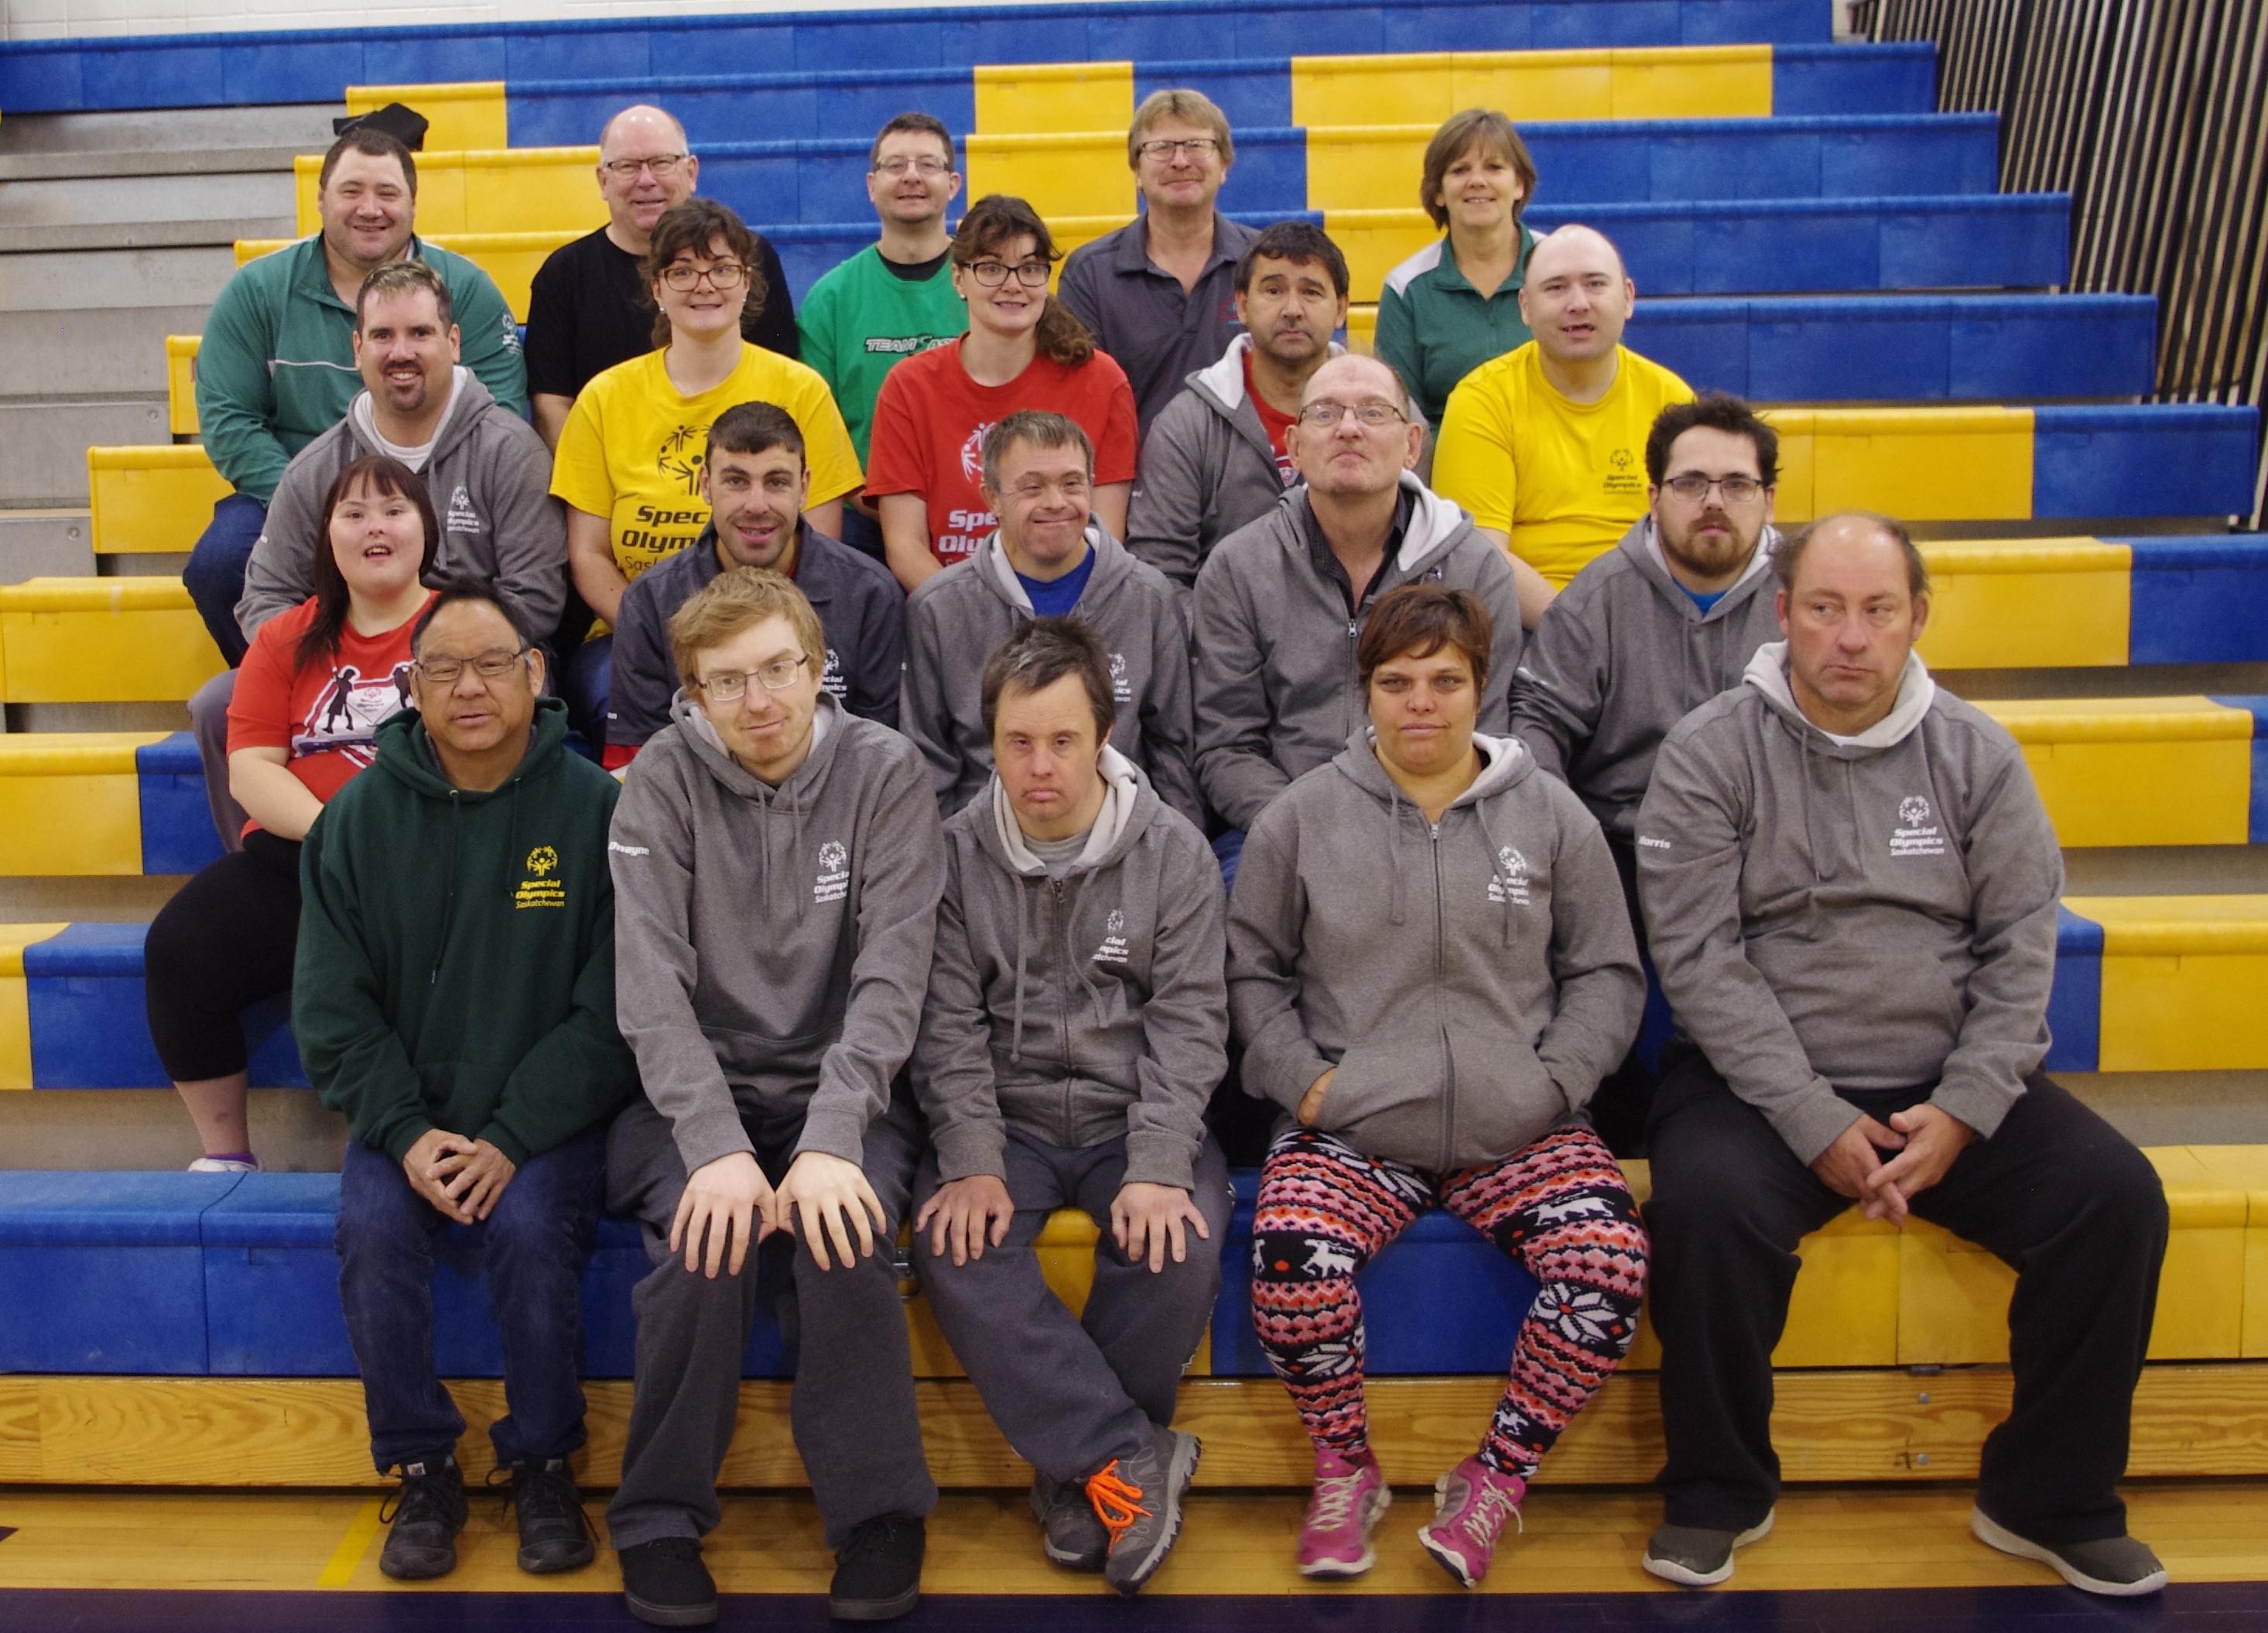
x: 456, y: 965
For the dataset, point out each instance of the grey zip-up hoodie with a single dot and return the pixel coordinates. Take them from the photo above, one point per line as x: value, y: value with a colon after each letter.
x: 1622, y: 655
x: 1081, y: 1008
x: 1207, y: 469
x: 959, y: 617
x: 490, y: 475
x: 1470, y: 981
x: 1276, y: 687
x: 772, y: 945
x: 1874, y: 913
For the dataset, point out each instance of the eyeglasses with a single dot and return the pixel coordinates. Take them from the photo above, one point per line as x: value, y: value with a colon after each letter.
x: 1693, y: 487
x: 924, y: 167
x: 721, y: 275
x: 732, y: 686
x: 1373, y: 414
x: 992, y: 274
x: 491, y: 665
x: 1196, y: 147
x: 662, y: 165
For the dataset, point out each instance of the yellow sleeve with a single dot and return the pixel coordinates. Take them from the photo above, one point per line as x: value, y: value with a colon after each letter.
x: 827, y: 446
x: 1472, y: 454
x: 579, y: 469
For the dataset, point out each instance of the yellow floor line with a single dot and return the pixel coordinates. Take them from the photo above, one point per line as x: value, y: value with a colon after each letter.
x: 353, y: 1546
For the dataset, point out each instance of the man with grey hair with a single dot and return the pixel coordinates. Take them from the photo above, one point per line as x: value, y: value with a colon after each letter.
x: 1048, y: 557
x: 1280, y: 603
x: 1159, y: 294
x: 1852, y: 887
x: 588, y: 309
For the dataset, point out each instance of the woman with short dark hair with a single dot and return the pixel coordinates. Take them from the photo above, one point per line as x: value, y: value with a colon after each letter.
x: 1430, y: 968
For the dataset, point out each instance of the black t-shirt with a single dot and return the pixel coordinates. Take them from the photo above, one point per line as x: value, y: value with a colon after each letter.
x: 587, y: 311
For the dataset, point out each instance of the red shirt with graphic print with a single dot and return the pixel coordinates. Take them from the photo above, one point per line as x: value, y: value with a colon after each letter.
x: 928, y: 431
x: 1275, y: 424
x: 326, y: 715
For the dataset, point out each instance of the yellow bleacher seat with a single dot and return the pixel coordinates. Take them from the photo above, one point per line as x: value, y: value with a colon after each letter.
x: 2029, y: 603
x: 71, y: 802
x: 1663, y: 82
x: 1376, y: 241
x: 459, y: 117
x: 525, y: 189
x: 2182, y: 980
x: 2245, y: 1168
x: 1061, y: 174
x: 1930, y: 464
x: 2137, y: 771
x: 15, y: 1002
x: 152, y: 501
x: 181, y: 381
x: 1046, y: 97
x: 102, y: 640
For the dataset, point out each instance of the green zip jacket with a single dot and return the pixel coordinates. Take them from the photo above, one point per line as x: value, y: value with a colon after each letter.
x: 277, y: 369
x: 456, y: 964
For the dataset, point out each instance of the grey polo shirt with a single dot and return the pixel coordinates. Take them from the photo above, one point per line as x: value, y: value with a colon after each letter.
x: 1137, y: 311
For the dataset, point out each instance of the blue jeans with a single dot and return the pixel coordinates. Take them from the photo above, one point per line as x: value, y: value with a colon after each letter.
x: 585, y: 681
x: 1228, y: 850
x: 534, y: 1244
x: 214, y: 576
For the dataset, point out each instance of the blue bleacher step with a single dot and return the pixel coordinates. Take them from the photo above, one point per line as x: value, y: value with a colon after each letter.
x: 89, y: 1017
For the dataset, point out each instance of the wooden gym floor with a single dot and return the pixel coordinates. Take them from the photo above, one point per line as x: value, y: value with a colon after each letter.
x: 1847, y: 1560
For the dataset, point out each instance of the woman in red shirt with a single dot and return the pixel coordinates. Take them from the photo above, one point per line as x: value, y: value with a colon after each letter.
x: 310, y: 694
x: 1024, y: 349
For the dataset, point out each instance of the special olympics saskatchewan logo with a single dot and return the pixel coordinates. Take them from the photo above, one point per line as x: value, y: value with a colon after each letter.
x: 832, y: 855
x: 1913, y: 810
x: 542, y: 860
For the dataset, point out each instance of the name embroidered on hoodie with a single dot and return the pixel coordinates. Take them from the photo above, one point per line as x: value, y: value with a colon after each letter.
x: 1113, y: 950
x: 1917, y: 835
x: 1509, y: 882
x: 540, y: 889
x: 833, y: 881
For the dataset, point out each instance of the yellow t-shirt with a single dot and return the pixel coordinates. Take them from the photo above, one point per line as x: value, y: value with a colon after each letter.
x: 632, y: 447
x: 1565, y: 479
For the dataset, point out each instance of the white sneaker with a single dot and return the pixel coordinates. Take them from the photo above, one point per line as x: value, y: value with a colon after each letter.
x: 225, y: 1166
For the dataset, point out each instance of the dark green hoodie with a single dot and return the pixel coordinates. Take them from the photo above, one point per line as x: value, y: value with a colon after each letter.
x: 456, y: 965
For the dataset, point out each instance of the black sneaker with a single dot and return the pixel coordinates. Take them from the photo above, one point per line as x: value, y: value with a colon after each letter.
x: 666, y: 1584
x: 2118, y: 1566
x: 1071, y: 1534
x: 878, y: 1571
x: 1696, y: 1556
x: 428, y: 1511
x: 554, y: 1534
x: 1139, y: 1499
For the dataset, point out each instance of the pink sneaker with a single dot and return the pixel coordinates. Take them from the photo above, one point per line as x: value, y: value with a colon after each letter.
x: 1350, y: 1495
x: 1470, y: 1504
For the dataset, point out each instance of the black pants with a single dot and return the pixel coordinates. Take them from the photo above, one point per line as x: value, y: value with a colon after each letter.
x: 1625, y: 1098
x: 2057, y: 1193
x: 225, y: 941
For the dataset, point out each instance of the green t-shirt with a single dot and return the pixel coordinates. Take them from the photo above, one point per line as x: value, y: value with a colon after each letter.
x: 861, y: 318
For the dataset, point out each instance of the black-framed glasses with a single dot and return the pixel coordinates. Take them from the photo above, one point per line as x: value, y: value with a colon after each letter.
x: 992, y: 274
x: 721, y: 275
x: 733, y: 685
x: 1693, y: 487
x: 1373, y: 414
x: 662, y: 165
x: 1166, y: 148
x: 494, y: 664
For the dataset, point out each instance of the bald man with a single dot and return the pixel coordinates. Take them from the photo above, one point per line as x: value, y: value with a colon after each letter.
x: 1851, y: 888
x: 1545, y: 446
x: 1281, y: 601
x: 587, y: 309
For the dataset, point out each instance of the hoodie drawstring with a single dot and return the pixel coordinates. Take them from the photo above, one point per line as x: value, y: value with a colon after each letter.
x: 1016, y: 1038
x: 1496, y: 866
x: 1396, y: 911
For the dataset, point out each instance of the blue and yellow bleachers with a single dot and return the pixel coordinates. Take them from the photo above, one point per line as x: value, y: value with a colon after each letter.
x: 92, y: 803
x: 102, y: 640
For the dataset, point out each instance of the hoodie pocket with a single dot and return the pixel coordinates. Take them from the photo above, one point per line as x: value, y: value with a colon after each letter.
x: 1506, y: 1099
x: 1390, y: 1097
x: 461, y: 1096
x: 752, y: 1059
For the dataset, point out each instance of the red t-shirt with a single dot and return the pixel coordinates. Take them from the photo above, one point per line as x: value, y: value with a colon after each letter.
x: 931, y: 419
x: 326, y: 714
x: 1274, y: 424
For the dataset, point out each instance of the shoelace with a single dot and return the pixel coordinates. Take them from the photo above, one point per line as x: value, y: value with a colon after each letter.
x: 1117, y: 1501
x: 418, y: 1498
x: 542, y: 1493
x: 1486, y: 1508
x: 1333, y: 1505
x: 869, y: 1538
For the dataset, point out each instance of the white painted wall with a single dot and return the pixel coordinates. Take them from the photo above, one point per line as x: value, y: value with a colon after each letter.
x: 57, y: 19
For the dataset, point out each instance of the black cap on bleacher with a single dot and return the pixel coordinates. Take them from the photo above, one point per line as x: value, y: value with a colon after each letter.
x: 405, y: 124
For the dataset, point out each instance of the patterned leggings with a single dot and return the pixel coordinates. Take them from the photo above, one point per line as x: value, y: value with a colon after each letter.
x: 1559, y: 1207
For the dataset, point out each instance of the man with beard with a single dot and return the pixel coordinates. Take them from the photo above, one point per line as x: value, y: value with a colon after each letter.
x: 1647, y: 633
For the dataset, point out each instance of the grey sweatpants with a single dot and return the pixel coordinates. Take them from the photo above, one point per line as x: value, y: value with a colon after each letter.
x: 1071, y: 1392
x: 209, y: 725
x: 853, y: 1414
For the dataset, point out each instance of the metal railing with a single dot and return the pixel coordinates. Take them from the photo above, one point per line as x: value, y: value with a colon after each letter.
x: 2153, y: 114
